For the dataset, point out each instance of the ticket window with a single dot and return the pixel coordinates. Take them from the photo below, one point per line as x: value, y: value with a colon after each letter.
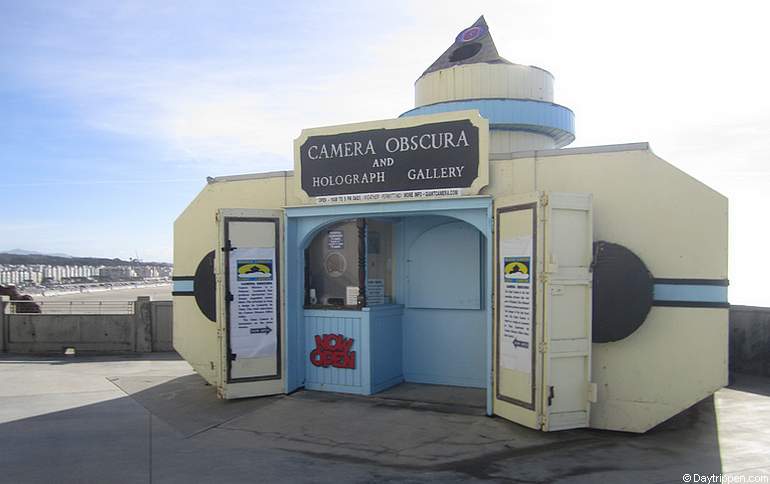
x: 349, y: 265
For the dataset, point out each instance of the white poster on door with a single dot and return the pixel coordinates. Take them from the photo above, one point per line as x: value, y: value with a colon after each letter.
x: 253, y: 315
x: 516, y: 322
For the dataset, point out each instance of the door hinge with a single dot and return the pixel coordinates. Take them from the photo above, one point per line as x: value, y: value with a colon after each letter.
x: 216, y: 217
x: 228, y: 247
x: 541, y: 420
x: 550, y: 395
x: 543, y: 208
x: 229, y: 297
x: 542, y: 347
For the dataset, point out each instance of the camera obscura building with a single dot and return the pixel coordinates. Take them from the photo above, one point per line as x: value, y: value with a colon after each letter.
x: 462, y: 244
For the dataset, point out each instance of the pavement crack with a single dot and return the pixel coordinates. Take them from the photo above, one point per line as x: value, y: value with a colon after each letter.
x: 312, y: 440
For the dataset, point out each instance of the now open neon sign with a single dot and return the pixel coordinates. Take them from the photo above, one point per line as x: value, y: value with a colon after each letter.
x: 333, y: 350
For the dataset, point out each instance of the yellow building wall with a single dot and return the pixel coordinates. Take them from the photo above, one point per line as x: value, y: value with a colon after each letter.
x: 675, y: 224
x: 678, y: 227
x: 195, y: 235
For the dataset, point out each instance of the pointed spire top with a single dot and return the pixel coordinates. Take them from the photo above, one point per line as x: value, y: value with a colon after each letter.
x: 473, y: 45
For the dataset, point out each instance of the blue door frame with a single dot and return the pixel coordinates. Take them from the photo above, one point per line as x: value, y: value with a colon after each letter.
x: 302, y: 223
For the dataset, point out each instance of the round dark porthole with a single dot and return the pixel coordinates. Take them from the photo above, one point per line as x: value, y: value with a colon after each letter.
x: 205, y: 288
x: 622, y: 292
x: 465, y: 52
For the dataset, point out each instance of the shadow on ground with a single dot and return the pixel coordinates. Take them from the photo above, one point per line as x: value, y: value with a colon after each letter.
x: 176, y: 430
x: 750, y: 384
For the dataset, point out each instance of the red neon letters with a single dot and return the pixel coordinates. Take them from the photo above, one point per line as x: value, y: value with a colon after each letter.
x: 333, y: 350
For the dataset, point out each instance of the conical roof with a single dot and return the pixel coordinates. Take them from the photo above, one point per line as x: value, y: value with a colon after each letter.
x: 473, y: 45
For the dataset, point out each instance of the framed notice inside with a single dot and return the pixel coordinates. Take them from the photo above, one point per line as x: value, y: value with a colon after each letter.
x: 375, y: 291
x: 336, y: 239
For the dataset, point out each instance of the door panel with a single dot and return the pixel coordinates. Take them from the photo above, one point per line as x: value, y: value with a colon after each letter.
x: 567, y: 311
x: 253, y: 354
x: 542, y: 326
x: 518, y: 240
x: 249, y: 284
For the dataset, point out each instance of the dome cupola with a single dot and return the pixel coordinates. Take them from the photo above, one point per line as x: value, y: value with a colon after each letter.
x: 516, y: 99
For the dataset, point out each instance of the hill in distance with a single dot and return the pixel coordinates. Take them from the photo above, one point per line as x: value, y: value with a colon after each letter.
x: 31, y: 252
x: 29, y: 257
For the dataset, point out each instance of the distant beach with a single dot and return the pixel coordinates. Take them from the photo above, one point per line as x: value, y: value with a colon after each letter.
x: 158, y: 292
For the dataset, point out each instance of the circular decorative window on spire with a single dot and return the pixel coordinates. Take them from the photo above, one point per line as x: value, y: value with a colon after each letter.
x: 470, y: 34
x: 465, y: 52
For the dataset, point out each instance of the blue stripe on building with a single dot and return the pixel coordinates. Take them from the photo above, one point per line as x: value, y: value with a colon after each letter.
x: 182, y: 287
x: 546, y: 118
x: 691, y: 293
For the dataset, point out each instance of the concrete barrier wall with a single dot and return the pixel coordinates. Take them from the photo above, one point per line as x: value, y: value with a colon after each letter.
x: 43, y: 333
x: 750, y: 340
x: 148, y: 329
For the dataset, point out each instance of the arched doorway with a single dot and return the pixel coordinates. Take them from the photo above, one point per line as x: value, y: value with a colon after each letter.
x: 423, y: 312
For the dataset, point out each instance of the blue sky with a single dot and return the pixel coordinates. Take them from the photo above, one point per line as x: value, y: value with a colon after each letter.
x: 113, y: 113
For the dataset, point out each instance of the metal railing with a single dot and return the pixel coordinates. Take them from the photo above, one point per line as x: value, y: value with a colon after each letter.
x: 71, y: 307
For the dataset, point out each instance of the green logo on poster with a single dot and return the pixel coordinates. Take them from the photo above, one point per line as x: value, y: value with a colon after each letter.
x: 516, y: 270
x: 255, y: 269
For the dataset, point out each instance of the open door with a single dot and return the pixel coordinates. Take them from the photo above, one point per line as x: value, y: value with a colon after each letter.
x: 542, y: 317
x: 250, y: 318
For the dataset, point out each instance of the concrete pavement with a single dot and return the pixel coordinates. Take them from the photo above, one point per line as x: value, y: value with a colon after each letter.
x: 151, y: 419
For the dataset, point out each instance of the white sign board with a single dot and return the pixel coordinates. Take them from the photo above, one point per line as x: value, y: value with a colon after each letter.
x: 336, y: 239
x: 516, y: 311
x: 351, y: 295
x: 375, y: 291
x: 253, y: 316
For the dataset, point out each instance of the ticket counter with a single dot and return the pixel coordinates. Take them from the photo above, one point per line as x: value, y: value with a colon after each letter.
x: 356, y: 351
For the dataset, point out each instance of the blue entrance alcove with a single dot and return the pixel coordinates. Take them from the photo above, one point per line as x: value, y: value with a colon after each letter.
x: 438, y: 333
